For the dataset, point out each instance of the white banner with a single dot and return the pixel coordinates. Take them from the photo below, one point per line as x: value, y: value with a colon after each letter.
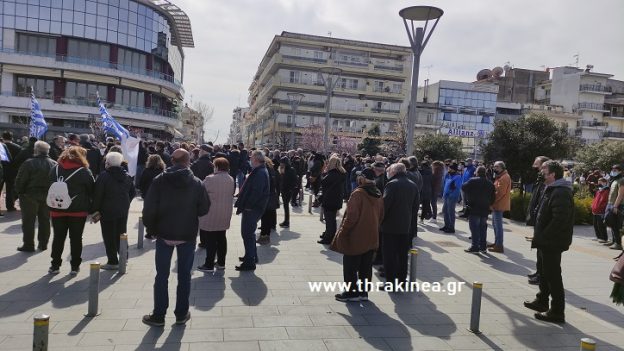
x: 130, y: 149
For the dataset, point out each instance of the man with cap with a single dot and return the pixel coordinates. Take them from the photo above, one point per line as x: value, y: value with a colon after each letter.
x: 203, y: 167
x: 357, y: 236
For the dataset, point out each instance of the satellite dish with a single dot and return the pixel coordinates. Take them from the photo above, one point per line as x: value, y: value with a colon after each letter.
x: 507, y: 68
x: 484, y: 74
x: 497, y: 72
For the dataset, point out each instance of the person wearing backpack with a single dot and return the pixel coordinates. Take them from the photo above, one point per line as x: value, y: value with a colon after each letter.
x: 114, y: 190
x: 69, y: 198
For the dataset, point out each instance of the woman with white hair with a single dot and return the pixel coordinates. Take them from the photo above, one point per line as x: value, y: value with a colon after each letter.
x: 114, y: 189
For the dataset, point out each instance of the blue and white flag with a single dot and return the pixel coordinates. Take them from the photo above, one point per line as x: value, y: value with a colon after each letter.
x: 110, y: 125
x: 38, y: 125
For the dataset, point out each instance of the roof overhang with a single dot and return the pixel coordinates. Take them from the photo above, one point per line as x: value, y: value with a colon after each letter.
x: 182, y: 34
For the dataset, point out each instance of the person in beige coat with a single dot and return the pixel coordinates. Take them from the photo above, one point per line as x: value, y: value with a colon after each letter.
x: 358, y: 236
x: 212, y: 226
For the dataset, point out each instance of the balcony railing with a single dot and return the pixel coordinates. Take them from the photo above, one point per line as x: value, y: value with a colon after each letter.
x: 388, y: 68
x: 93, y: 103
x: 386, y: 90
x: 591, y: 106
x: 302, y: 58
x: 351, y: 63
x: 382, y: 110
x: 591, y: 124
x: 614, y: 135
x: 302, y: 103
x: 596, y: 88
x: 99, y: 63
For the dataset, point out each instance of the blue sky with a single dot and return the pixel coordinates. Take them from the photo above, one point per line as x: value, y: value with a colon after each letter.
x: 231, y: 36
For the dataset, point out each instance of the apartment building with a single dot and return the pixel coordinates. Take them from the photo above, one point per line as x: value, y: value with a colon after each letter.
x: 373, y: 88
x: 238, y: 132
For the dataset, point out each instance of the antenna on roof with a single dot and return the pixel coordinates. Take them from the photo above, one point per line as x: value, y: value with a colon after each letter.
x: 329, y: 34
x: 576, y: 56
x: 428, y: 67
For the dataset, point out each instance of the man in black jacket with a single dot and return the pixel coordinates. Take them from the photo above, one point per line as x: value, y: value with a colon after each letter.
x: 252, y: 201
x: 31, y: 185
x: 552, y: 235
x: 203, y: 167
x: 175, y: 201
x: 400, y: 202
x: 94, y: 157
x: 536, y: 195
x: 479, y: 195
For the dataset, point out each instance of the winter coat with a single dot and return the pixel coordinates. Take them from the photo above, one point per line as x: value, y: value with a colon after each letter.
x: 538, y: 190
x: 452, y: 185
x: 220, y: 189
x: 274, y: 185
x: 427, y: 179
x: 400, y: 205
x: 469, y: 172
x: 288, y: 181
x: 33, y: 177
x: 203, y: 167
x: 502, y: 183
x: 358, y: 232
x: 437, y: 178
x: 555, y: 218
x: 79, y: 187
x: 147, y: 177
x: 55, y: 151
x: 479, y: 196
x: 175, y: 201
x: 599, y: 204
x: 94, y: 157
x: 114, y: 190
x: 235, y: 159
x: 254, y: 195
x: 332, y: 184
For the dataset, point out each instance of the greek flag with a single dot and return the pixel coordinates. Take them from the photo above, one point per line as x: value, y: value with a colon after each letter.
x: 110, y: 125
x: 38, y: 125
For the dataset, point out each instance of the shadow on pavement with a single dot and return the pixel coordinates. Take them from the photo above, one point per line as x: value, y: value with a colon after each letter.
x: 250, y: 288
x: 370, y: 309
x: 207, y: 289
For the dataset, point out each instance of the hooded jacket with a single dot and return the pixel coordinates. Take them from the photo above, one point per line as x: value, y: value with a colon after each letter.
x: 175, y: 201
x: 358, y: 232
x: 114, y: 190
x: 554, y: 223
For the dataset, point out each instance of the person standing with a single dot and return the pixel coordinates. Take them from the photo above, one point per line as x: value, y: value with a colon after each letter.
x: 479, y: 196
x: 400, y: 201
x: 502, y: 203
x: 154, y: 167
x: 452, y: 185
x: 114, y: 190
x: 57, y: 147
x: 437, y: 182
x: 268, y: 221
x: 175, y: 201
x: 10, y: 166
x: 426, y: 191
x: 212, y: 226
x: 357, y: 237
x: 31, y: 185
x: 288, y: 188
x: 467, y: 174
x: 251, y: 203
x: 332, y: 184
x: 615, y: 205
x: 552, y: 235
x: 203, y: 166
x: 599, y: 205
x: 73, y: 168
x: 536, y: 195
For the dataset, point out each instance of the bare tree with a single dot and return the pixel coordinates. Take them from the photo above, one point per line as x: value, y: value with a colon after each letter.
x: 206, y: 112
x: 312, y: 137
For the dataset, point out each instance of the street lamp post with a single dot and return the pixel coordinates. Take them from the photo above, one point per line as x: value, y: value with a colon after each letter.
x: 417, y: 42
x: 330, y: 77
x: 294, y: 99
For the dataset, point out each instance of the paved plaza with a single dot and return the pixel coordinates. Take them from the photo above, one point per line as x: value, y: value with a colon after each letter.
x: 274, y: 309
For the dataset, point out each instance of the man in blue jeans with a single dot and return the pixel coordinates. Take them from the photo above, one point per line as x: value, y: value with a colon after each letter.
x: 478, y: 197
x: 251, y: 203
x: 175, y: 201
x: 452, y: 185
x: 502, y: 203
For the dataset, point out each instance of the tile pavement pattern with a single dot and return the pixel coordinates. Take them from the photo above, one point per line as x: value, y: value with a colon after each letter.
x: 273, y: 309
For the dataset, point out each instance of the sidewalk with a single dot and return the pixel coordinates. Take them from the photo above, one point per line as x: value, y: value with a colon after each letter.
x: 274, y: 309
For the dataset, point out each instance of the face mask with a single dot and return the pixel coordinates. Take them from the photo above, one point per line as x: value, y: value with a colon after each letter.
x: 614, y: 173
x: 540, y: 176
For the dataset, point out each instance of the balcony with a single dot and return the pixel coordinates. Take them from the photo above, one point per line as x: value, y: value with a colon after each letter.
x: 397, y: 68
x: 350, y: 63
x: 614, y: 135
x: 302, y: 58
x: 591, y: 124
x: 381, y: 110
x: 591, y: 106
x: 100, y: 64
x: 592, y: 88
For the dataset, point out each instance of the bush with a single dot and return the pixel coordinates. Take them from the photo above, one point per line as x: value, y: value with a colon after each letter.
x: 519, y: 205
x: 582, y: 210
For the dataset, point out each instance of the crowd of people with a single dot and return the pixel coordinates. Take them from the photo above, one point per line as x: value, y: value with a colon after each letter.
x: 189, y: 189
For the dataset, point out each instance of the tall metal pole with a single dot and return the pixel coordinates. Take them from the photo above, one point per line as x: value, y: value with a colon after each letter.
x: 328, y: 91
x: 292, y: 125
x: 411, y: 117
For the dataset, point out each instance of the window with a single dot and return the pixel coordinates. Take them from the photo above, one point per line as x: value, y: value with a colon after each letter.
x: 44, y: 88
x: 85, y: 93
x: 318, y: 55
x: 294, y: 76
x: 36, y: 44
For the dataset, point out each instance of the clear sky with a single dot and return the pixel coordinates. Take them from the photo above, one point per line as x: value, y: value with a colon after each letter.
x: 231, y: 36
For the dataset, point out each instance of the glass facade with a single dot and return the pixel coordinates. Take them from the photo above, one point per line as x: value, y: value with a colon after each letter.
x: 122, y: 22
x: 43, y: 87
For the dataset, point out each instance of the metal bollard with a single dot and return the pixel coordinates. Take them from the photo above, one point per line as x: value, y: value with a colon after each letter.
x: 413, y: 257
x: 475, y: 313
x: 310, y: 204
x: 123, y: 254
x: 94, y: 289
x: 588, y: 344
x: 141, y: 233
x: 40, y: 333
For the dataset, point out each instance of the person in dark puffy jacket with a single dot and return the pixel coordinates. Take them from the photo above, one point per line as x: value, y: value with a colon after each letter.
x: 203, y: 167
x: 478, y: 196
x: 288, y: 187
x: 114, y: 190
x: 332, y: 184
x: 74, y: 168
x: 552, y: 235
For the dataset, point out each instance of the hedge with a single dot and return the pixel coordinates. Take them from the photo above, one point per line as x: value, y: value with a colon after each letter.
x: 520, y: 203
